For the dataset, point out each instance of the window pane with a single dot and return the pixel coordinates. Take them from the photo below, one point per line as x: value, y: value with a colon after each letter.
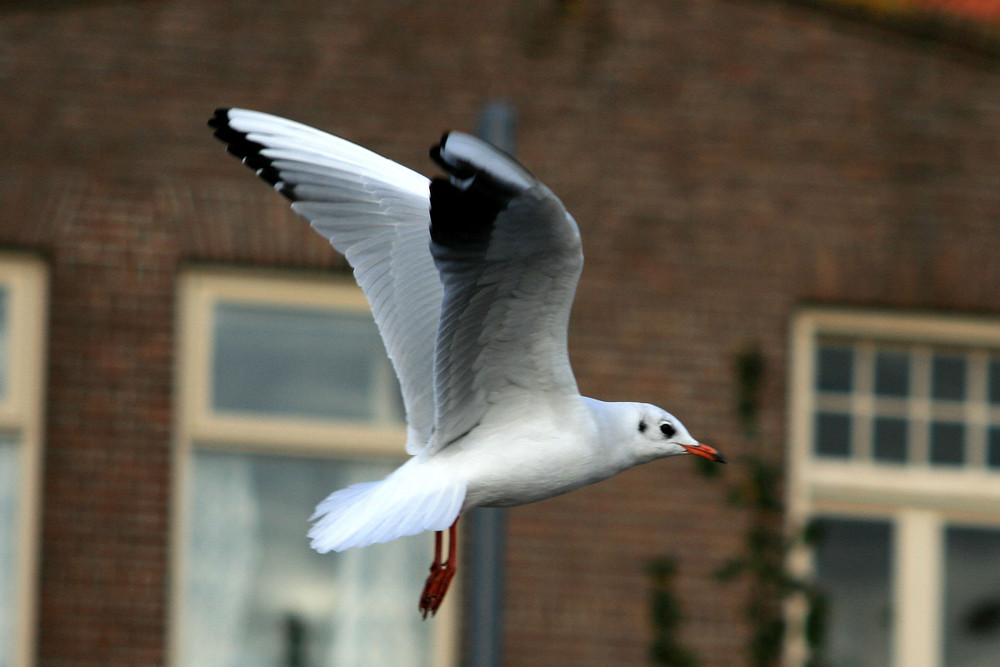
x: 10, y: 489
x: 892, y: 373
x: 889, y: 442
x: 852, y: 572
x: 972, y: 599
x: 4, y: 345
x: 947, y: 443
x: 835, y: 367
x: 257, y: 595
x: 993, y: 448
x: 994, y: 381
x: 948, y: 377
x: 301, y: 362
x: 833, y: 434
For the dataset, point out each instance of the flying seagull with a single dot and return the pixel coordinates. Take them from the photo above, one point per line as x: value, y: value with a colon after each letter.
x: 470, y: 278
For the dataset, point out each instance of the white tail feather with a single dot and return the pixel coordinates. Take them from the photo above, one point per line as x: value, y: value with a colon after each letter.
x: 407, y: 502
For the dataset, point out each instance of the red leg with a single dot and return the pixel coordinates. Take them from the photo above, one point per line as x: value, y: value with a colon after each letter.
x: 441, y: 573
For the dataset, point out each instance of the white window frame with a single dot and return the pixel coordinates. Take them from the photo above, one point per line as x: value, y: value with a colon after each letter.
x: 920, y: 500
x: 21, y: 415
x: 198, y: 427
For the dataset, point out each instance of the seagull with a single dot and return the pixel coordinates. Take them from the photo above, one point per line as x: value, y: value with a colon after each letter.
x: 470, y: 278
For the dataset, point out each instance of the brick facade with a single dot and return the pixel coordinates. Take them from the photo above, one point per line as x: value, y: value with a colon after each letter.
x: 727, y: 160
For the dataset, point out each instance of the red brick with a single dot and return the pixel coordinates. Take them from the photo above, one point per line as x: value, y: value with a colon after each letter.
x: 727, y: 162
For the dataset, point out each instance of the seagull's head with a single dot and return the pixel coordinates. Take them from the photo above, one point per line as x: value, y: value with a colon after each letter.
x: 657, y: 434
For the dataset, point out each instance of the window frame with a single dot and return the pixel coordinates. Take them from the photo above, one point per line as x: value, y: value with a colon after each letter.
x: 920, y: 500
x: 198, y: 428
x: 22, y: 414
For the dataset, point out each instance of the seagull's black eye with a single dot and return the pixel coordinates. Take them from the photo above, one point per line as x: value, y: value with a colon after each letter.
x: 667, y: 429
x: 642, y: 426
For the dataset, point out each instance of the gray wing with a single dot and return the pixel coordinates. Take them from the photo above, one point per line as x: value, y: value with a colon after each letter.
x: 510, y: 257
x: 374, y: 211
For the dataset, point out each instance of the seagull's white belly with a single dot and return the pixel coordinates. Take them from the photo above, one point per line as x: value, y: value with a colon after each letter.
x: 530, y: 481
x: 526, y: 461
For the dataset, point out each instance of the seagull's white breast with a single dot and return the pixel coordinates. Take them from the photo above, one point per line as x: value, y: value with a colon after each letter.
x: 528, y: 450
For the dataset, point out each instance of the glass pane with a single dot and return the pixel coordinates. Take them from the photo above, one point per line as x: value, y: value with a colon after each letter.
x: 9, y: 539
x: 993, y: 448
x: 994, y: 381
x: 889, y: 442
x: 948, y: 378
x: 4, y: 345
x: 852, y: 572
x: 892, y: 373
x: 256, y: 594
x: 301, y: 362
x: 833, y: 434
x: 947, y: 443
x: 834, y: 368
x: 972, y: 597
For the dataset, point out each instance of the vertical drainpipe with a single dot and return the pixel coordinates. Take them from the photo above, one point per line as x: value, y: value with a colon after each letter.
x: 497, y: 124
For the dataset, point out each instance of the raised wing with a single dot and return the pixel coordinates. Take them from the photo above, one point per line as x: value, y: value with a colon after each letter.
x: 510, y: 257
x: 375, y: 212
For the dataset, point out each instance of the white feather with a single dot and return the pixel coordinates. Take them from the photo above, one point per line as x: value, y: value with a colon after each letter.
x: 406, y: 502
x: 375, y: 212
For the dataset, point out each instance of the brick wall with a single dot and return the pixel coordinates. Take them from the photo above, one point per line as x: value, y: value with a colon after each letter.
x: 727, y: 160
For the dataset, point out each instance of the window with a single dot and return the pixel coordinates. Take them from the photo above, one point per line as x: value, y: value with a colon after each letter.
x: 285, y: 394
x: 23, y: 292
x: 894, y: 432
x: 907, y: 404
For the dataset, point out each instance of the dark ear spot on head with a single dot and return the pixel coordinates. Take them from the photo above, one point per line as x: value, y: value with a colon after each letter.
x: 642, y: 426
x: 667, y: 429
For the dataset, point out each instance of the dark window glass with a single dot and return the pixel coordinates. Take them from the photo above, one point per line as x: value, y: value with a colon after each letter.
x: 994, y: 381
x: 892, y: 373
x: 947, y: 443
x: 948, y: 377
x: 301, y: 362
x: 835, y: 369
x: 890, y: 440
x: 993, y: 448
x: 971, y: 613
x: 854, y: 576
x: 833, y: 434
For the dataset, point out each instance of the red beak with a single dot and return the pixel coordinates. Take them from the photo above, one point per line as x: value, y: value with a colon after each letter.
x: 705, y: 452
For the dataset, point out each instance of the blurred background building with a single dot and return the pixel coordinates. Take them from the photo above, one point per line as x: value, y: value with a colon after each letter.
x: 791, y: 214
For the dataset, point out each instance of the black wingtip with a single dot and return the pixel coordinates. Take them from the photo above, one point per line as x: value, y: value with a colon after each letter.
x: 461, y: 218
x: 286, y: 190
x: 220, y: 118
x: 237, y: 143
x: 248, y: 151
x: 484, y: 165
x: 225, y: 133
x: 436, y: 152
x: 269, y: 174
x: 228, y: 135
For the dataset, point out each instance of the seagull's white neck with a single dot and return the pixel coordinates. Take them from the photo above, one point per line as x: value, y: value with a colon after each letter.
x: 615, y: 423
